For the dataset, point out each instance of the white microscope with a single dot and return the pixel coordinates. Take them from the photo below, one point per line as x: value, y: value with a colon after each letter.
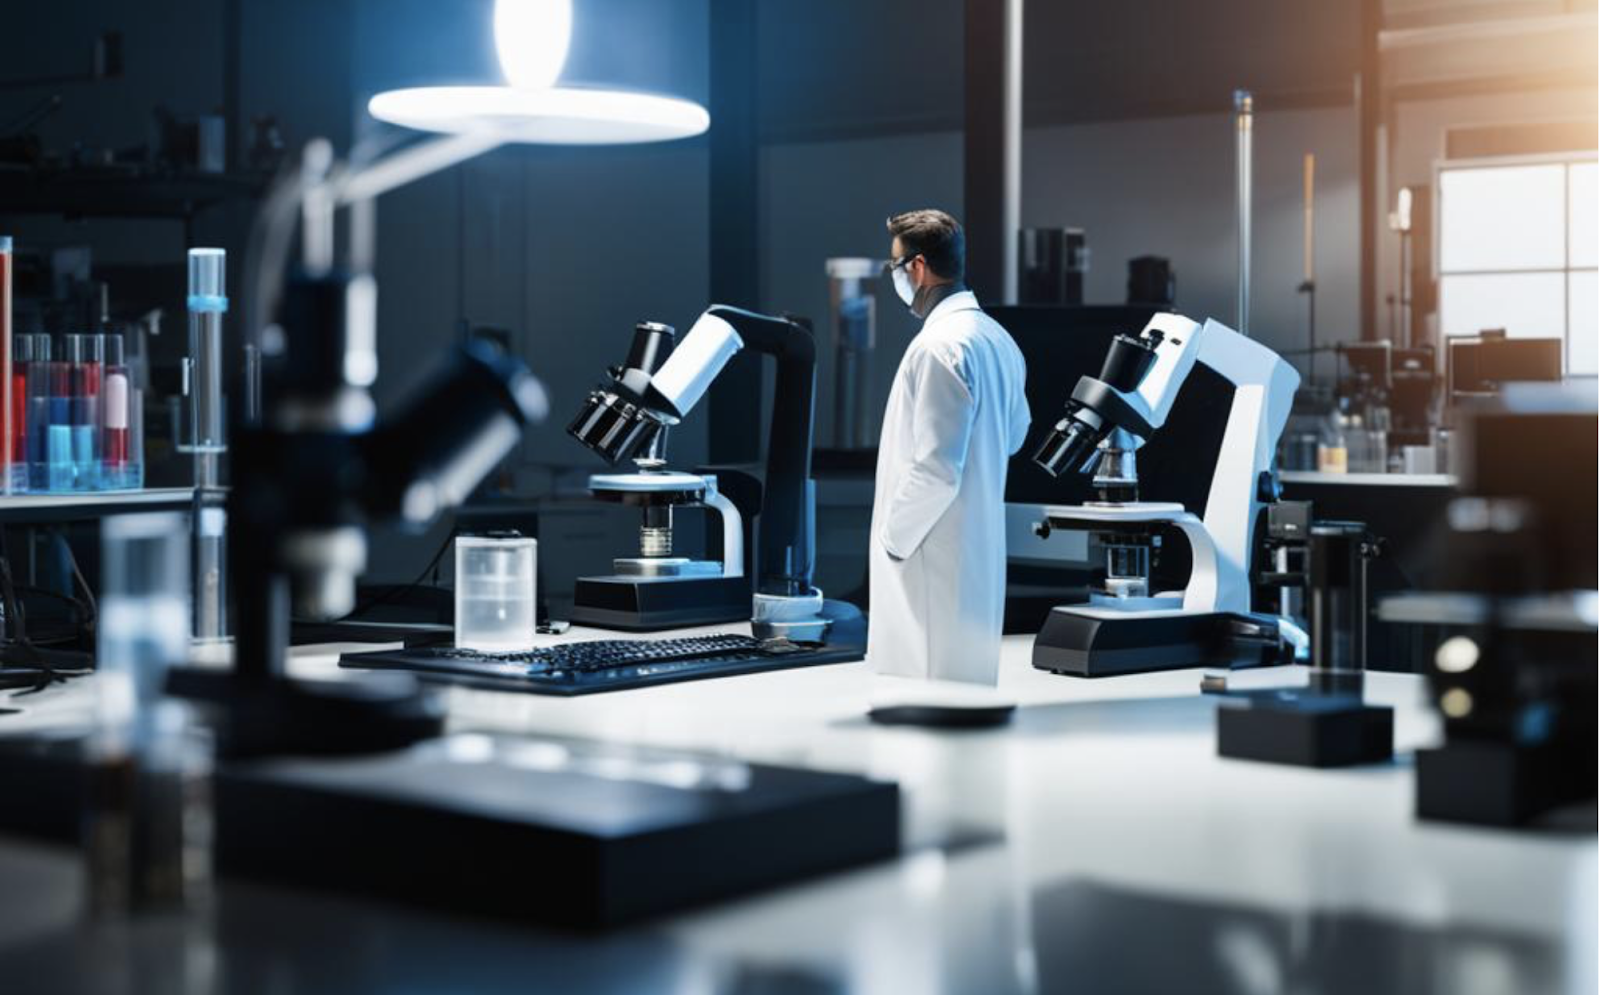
x: 1126, y: 627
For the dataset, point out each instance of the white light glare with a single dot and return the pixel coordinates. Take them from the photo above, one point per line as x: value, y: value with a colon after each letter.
x: 531, y: 38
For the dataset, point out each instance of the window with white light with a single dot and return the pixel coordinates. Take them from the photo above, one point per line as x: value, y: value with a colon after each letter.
x: 1517, y: 250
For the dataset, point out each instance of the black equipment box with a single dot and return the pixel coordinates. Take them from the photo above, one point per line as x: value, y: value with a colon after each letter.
x: 547, y: 832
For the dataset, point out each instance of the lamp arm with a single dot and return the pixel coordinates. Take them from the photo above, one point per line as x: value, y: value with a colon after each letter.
x: 357, y: 187
x: 411, y: 164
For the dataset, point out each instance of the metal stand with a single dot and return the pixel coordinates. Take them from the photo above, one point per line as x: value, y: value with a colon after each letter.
x: 1327, y: 723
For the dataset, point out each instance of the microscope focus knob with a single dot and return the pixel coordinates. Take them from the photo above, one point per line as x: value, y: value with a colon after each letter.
x: 1042, y: 529
x: 1268, y: 490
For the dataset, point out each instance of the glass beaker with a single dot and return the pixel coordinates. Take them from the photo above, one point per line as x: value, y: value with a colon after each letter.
x: 495, y: 592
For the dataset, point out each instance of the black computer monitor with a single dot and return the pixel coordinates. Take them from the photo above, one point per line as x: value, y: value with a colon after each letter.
x: 1369, y: 363
x: 1061, y: 344
x: 1480, y: 364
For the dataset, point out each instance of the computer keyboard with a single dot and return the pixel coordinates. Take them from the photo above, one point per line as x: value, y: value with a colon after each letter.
x: 605, y: 664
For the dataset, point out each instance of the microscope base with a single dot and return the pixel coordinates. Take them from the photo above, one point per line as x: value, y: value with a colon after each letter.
x: 1081, y: 641
x: 639, y: 604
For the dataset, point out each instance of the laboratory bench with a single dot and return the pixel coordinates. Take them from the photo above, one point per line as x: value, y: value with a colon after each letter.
x: 1097, y: 843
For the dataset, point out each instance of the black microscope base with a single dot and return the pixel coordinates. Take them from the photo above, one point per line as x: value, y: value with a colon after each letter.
x: 633, y: 604
x: 476, y: 829
x: 1081, y: 645
x: 1500, y: 784
x: 1304, y: 729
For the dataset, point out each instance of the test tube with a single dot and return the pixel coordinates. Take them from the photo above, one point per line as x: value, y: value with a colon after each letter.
x: 115, y: 410
x: 7, y: 385
x: 208, y: 302
x: 85, y: 362
x: 39, y: 382
x: 135, y: 475
x: 58, y: 430
x: 21, y: 359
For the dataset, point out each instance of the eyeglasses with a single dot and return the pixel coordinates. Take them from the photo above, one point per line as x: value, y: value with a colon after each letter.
x: 894, y: 264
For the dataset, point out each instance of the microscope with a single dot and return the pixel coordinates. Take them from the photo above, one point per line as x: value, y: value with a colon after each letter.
x: 628, y: 415
x: 656, y: 589
x: 1126, y: 626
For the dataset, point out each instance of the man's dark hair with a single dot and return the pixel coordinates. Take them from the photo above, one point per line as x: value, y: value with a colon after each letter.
x: 937, y: 237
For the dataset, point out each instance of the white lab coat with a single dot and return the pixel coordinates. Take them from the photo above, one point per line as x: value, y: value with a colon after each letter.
x: 956, y: 414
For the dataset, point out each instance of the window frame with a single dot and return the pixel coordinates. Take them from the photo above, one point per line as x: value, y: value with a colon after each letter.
x: 1564, y: 159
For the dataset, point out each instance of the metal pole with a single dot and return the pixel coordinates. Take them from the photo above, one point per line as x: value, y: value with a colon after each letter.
x: 1243, y: 126
x: 992, y: 164
x: 1011, y: 190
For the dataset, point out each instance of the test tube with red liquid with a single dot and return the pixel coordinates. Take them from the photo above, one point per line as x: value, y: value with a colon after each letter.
x: 7, y: 389
x: 21, y: 360
x: 116, y: 407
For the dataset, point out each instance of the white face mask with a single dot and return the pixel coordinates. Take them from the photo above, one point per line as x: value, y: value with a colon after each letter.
x: 903, y: 286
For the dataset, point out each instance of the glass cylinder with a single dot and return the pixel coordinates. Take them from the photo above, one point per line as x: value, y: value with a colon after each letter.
x: 495, y: 592
x: 147, y: 818
x: 852, y: 298
x: 144, y: 602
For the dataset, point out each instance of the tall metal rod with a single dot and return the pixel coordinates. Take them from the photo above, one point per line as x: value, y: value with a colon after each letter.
x: 1308, y: 284
x: 992, y: 140
x: 1011, y: 206
x: 1243, y: 127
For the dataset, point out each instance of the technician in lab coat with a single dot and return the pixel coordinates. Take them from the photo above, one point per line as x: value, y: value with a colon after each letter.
x: 956, y: 414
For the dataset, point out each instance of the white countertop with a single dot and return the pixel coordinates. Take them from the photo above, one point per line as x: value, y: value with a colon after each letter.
x: 1029, y: 849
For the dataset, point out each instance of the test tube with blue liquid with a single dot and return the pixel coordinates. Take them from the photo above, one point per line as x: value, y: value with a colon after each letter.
x: 40, y: 374
x: 86, y: 370
x: 58, y: 430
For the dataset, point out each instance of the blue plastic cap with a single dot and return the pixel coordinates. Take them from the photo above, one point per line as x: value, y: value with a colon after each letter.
x: 208, y: 279
x: 5, y: 243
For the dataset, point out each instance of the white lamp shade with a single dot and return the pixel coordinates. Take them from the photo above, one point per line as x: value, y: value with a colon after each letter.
x: 559, y: 116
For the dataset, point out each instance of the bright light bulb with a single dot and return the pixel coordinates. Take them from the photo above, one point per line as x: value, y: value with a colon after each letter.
x: 531, y: 38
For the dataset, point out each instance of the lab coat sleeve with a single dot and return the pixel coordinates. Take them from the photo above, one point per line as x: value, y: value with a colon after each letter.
x: 1021, y: 418
x: 941, y: 425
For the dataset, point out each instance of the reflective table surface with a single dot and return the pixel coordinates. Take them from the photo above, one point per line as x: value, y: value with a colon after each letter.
x: 1096, y: 844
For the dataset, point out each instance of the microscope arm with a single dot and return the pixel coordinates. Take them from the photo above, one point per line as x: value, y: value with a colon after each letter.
x: 785, y: 547
x: 1264, y: 388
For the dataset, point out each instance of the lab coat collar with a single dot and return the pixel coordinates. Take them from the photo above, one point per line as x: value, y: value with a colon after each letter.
x: 964, y: 300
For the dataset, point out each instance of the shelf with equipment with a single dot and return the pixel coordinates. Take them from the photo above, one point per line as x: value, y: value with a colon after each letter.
x: 120, y: 192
